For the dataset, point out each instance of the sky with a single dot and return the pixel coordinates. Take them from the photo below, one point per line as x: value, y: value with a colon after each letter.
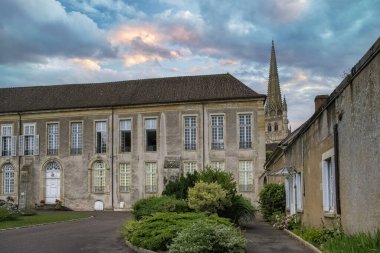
x: 47, y: 42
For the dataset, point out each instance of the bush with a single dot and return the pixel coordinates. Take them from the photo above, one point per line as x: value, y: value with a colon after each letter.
x: 208, y: 197
x: 152, y: 205
x: 208, y: 237
x: 6, y: 214
x: 224, y: 179
x: 10, y: 206
x: 272, y: 199
x: 156, y: 232
x: 360, y: 242
x: 241, y: 210
x: 179, y: 188
x: 282, y: 221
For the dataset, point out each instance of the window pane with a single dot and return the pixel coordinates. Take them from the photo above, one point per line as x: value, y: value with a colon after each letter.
x: 151, y: 140
x: 150, y: 124
x: 245, y: 138
x: 125, y: 141
x: 217, y: 132
x: 125, y: 177
x: 151, y: 177
x: 218, y: 165
x: 76, y: 138
x: 101, y: 137
x: 189, y: 167
x: 52, y: 139
x: 245, y: 176
x: 99, y: 177
x: 190, y: 132
x: 8, y: 178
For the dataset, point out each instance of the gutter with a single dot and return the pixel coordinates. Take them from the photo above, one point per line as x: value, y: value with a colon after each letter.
x: 19, y: 163
x: 112, y: 156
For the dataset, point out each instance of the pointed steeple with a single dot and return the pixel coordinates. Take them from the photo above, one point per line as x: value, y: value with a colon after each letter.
x: 274, y: 102
x: 284, y: 105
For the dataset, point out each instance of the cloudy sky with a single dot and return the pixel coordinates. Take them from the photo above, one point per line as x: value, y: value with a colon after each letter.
x: 45, y: 42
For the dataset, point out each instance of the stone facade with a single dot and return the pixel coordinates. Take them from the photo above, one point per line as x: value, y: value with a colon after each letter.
x: 331, y: 163
x: 77, y: 174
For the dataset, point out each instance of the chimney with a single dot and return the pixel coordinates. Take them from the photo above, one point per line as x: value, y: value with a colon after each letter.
x: 320, y: 101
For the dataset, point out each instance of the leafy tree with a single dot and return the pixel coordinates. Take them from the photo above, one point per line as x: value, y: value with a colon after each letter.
x: 272, y: 199
x: 179, y: 188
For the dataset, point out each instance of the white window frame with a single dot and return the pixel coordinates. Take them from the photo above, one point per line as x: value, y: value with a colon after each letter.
x: 218, y: 165
x: 76, y: 145
x: 245, y: 130
x: 150, y: 123
x: 101, y: 127
x: 328, y: 182
x: 29, y: 141
x: 217, y: 131
x: 8, y: 141
x: 99, y: 177
x: 9, y: 178
x: 245, y: 176
x: 290, y: 190
x: 151, y: 177
x: 189, y: 167
x: 299, y: 191
x: 52, y: 138
x: 125, y: 126
x: 125, y: 177
x: 190, y: 132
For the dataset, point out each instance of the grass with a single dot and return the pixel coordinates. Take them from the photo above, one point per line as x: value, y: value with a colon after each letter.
x: 42, y: 217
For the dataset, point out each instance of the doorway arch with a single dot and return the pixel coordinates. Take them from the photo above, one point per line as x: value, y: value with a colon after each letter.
x: 52, y: 182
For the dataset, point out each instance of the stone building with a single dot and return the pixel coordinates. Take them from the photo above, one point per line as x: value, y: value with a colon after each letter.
x: 106, y: 145
x: 331, y: 163
x: 276, y: 109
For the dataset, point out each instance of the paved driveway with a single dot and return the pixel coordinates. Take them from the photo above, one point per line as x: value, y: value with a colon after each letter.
x: 96, y: 235
x: 102, y: 234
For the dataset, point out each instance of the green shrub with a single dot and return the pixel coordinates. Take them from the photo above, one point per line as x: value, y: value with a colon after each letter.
x: 179, y: 188
x: 360, y: 242
x: 208, y: 237
x: 272, y: 199
x: 208, y: 197
x: 224, y: 179
x: 10, y: 207
x: 152, y: 205
x: 241, y: 210
x: 6, y: 214
x: 156, y: 232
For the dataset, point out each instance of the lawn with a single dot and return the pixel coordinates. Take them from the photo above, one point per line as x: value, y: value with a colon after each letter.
x: 42, y: 217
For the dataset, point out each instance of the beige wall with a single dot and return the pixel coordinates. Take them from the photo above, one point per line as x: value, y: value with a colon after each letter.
x: 76, y: 171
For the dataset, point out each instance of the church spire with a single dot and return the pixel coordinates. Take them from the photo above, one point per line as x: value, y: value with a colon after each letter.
x: 274, y: 101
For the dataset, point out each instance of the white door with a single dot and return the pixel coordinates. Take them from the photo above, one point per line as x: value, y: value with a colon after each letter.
x: 53, y: 183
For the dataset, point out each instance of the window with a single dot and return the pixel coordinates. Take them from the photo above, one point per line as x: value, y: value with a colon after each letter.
x: 125, y: 135
x: 190, y: 132
x: 101, y: 137
x: 29, y: 142
x: 290, y: 191
x: 299, y: 190
x: 9, y: 178
x: 275, y: 126
x: 125, y: 177
x: 245, y: 126
x: 219, y: 165
x: 52, y: 139
x: 151, y: 134
x: 245, y: 176
x: 189, y: 167
x: 217, y: 132
x: 269, y: 127
x: 76, y: 138
x: 99, y: 177
x: 150, y: 177
x: 8, y: 142
x: 328, y: 182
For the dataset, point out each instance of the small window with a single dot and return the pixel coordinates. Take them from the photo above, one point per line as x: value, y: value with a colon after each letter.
x: 125, y: 135
x: 150, y: 177
x: 275, y: 126
x: 151, y: 134
x: 218, y: 165
x: 29, y: 142
x: 99, y: 177
x: 217, y: 132
x: 245, y: 176
x: 329, y: 184
x: 9, y: 178
x: 190, y: 129
x: 269, y: 127
x: 8, y: 142
x: 189, y: 167
x: 101, y: 137
x: 76, y: 138
x: 245, y: 128
x: 52, y: 139
x: 125, y: 177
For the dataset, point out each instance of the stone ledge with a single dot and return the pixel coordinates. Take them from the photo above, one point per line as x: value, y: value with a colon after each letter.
x: 304, y: 242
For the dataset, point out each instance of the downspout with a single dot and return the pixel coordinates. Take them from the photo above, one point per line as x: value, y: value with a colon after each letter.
x: 112, y: 156
x: 19, y: 163
x: 336, y: 161
x: 203, y: 134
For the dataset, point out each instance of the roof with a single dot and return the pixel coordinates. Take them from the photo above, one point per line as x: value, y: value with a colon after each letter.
x: 125, y: 93
x: 363, y: 62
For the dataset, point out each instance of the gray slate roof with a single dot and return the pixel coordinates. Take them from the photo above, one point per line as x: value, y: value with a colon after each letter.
x: 125, y: 93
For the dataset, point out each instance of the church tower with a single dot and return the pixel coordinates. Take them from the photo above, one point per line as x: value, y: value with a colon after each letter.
x: 276, y: 109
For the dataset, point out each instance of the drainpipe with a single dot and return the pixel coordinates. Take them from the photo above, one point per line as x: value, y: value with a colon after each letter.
x: 112, y: 156
x: 336, y: 155
x: 203, y: 133
x: 19, y: 162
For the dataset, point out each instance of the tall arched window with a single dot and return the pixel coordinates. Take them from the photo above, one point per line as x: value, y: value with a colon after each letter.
x: 9, y: 178
x: 269, y: 127
x: 275, y: 126
x: 99, y: 177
